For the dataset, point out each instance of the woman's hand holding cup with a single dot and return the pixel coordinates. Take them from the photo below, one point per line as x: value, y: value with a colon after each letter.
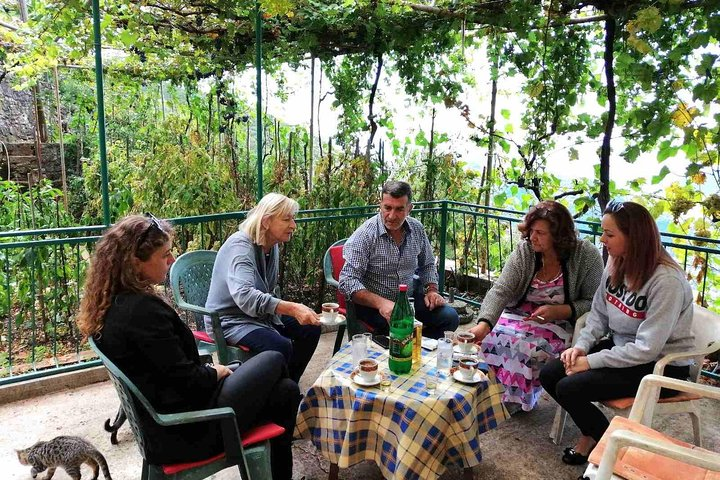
x: 305, y: 315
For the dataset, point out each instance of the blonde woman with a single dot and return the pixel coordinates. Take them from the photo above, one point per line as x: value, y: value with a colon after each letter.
x: 135, y: 327
x: 243, y: 287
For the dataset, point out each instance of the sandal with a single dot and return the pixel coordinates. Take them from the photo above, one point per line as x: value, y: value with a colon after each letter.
x: 571, y: 457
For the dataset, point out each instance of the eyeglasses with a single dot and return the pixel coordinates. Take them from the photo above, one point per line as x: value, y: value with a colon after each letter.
x: 154, y: 223
x: 614, y: 206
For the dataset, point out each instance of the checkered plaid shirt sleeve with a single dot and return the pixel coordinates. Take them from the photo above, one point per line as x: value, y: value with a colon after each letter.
x: 374, y: 262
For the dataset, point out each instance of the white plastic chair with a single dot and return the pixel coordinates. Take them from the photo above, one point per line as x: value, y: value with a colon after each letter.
x: 706, y: 328
x: 658, y: 444
x: 558, y: 425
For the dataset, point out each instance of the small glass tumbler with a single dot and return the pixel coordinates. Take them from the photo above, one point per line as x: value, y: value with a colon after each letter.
x: 450, y: 335
x: 430, y: 383
x: 368, y: 338
x: 359, y: 348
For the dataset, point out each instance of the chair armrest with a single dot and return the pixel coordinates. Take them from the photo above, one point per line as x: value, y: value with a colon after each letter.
x: 194, y: 308
x: 649, y: 391
x: 194, y: 416
x: 579, y: 324
x: 671, y: 357
x: 625, y: 438
x: 331, y: 281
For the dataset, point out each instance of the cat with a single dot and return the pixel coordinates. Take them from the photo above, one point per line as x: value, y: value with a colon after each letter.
x: 66, y: 452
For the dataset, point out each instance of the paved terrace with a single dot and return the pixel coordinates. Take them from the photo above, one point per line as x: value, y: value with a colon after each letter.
x: 518, y: 449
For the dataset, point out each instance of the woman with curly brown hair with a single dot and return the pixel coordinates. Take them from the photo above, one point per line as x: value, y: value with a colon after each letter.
x: 528, y: 315
x: 138, y: 330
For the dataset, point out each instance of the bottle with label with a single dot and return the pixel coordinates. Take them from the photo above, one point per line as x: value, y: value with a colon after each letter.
x: 401, y: 334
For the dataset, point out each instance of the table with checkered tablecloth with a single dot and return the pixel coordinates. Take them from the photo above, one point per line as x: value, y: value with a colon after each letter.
x: 408, y: 432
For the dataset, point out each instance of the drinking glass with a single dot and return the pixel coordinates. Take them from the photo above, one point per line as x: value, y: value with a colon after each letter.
x: 450, y: 335
x: 359, y: 348
x: 368, y: 338
x: 444, y: 354
x: 430, y: 383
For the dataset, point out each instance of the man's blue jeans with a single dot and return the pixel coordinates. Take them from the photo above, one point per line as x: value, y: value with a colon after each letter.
x: 435, y: 322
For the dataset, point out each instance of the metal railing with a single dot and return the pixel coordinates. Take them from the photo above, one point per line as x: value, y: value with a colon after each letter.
x: 43, y: 270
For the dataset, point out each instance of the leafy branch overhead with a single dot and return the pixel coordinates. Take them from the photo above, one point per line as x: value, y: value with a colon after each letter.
x: 651, y: 65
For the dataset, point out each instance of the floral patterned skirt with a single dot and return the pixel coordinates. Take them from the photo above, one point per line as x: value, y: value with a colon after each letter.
x: 516, y: 350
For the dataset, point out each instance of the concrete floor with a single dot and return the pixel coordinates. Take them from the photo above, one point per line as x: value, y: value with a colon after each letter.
x: 518, y: 449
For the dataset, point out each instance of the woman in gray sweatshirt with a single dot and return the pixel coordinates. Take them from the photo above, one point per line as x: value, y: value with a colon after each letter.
x: 642, y: 311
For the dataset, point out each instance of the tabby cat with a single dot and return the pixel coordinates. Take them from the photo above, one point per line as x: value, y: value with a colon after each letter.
x: 66, y: 452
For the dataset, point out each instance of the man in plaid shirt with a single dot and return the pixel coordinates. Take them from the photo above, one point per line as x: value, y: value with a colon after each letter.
x: 385, y: 251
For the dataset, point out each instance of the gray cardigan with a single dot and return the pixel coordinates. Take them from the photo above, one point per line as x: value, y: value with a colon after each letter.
x: 243, y: 285
x: 581, y: 273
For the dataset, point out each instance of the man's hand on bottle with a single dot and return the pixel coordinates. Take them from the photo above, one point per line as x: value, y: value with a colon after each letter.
x: 386, y: 308
x: 433, y: 300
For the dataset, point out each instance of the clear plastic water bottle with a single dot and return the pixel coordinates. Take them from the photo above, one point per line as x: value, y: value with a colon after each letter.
x: 444, y: 354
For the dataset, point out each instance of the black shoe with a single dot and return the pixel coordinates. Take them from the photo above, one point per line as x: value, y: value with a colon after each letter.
x: 571, y: 457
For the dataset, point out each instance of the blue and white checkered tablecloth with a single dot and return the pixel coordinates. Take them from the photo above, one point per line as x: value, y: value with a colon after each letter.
x: 408, y: 432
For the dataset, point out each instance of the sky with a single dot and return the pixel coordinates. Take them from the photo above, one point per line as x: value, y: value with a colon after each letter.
x: 408, y: 117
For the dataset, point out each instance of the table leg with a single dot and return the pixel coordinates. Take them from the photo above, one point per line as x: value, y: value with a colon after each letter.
x: 468, y: 474
x: 339, y: 338
x: 334, y: 471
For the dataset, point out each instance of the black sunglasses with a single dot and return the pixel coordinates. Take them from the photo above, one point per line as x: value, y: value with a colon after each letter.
x: 614, y: 206
x: 154, y: 224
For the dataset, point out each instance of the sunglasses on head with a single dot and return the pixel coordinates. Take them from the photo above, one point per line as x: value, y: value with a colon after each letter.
x: 614, y: 206
x: 154, y: 223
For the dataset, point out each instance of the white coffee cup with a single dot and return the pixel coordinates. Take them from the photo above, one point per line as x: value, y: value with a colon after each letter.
x: 467, y: 366
x: 330, y: 311
x: 465, y: 341
x: 368, y: 369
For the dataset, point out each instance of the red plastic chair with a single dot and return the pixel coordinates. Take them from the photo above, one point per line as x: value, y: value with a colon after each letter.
x: 332, y: 264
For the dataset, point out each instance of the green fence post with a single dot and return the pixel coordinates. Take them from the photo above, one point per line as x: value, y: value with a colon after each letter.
x: 443, y: 241
x: 100, y: 111
x: 258, y: 94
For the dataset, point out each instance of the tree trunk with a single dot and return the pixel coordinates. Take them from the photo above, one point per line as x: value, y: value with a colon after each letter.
x: 309, y: 155
x: 430, y: 168
x: 491, y: 132
x: 604, y: 194
x: 58, y: 111
x: 371, y: 115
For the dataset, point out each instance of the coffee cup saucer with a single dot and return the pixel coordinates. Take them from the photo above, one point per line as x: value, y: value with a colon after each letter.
x: 339, y: 318
x: 473, y: 351
x: 478, y: 377
x: 357, y: 378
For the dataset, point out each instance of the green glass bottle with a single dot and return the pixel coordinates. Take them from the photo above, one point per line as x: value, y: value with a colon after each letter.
x: 401, y: 334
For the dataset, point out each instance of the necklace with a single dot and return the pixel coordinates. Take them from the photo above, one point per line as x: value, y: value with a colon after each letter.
x: 544, y: 274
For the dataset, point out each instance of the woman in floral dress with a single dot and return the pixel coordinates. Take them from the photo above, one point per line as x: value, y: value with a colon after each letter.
x: 528, y: 316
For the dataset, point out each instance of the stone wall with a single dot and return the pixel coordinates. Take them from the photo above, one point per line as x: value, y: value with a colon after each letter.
x: 23, y: 162
x: 16, y: 114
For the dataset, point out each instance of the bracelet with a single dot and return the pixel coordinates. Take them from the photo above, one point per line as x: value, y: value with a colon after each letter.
x: 431, y: 288
x: 486, y: 321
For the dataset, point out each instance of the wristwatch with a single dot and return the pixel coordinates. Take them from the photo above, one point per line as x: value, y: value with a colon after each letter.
x: 430, y: 287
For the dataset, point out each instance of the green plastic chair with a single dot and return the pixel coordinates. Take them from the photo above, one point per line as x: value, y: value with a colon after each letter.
x: 250, y: 453
x: 333, y: 262
x: 190, y: 282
